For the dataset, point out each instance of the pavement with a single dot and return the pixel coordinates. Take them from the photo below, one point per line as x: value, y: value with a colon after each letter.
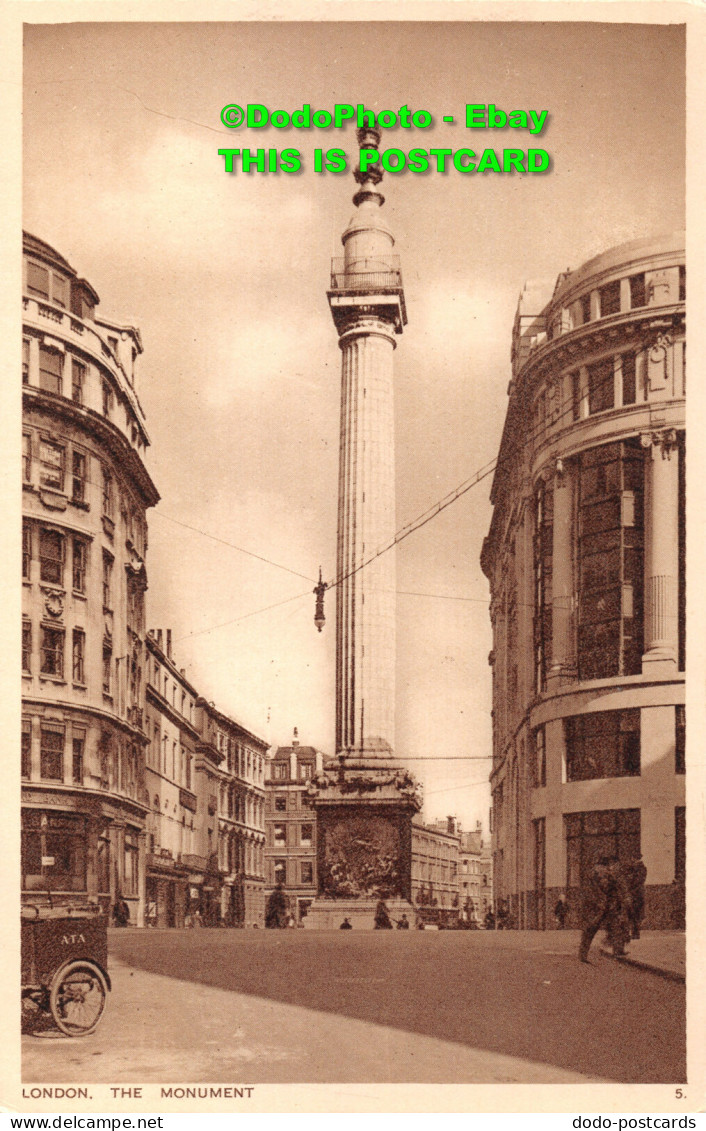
x: 662, y: 953
x: 246, y: 1007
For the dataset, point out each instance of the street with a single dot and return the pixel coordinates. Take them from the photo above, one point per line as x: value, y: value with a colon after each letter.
x: 380, y: 1007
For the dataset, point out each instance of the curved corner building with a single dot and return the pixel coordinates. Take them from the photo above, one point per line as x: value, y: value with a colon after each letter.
x: 585, y: 558
x: 85, y: 496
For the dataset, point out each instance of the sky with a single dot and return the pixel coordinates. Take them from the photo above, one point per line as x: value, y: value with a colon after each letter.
x: 226, y: 277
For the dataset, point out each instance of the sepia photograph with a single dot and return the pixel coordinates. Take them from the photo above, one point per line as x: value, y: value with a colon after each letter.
x: 353, y: 592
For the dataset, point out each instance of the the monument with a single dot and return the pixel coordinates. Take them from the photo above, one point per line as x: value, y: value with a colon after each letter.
x: 364, y: 806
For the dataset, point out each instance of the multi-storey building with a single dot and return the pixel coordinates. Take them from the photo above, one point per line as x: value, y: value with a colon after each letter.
x: 585, y: 557
x: 170, y: 777
x: 435, y: 860
x: 85, y: 496
x: 230, y: 788
x: 475, y: 874
x: 291, y: 824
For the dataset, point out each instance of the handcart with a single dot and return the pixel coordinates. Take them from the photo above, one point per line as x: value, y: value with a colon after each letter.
x: 65, y: 965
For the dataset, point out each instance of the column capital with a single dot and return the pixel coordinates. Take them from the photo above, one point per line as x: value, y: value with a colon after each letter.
x: 664, y: 440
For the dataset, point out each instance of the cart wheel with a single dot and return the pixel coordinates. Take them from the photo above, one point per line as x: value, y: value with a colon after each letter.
x: 77, y: 998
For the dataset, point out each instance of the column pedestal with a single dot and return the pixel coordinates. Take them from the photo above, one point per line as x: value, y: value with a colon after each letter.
x: 364, y: 844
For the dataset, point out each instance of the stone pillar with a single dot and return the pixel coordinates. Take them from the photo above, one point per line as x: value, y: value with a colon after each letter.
x: 657, y: 816
x: 365, y: 612
x: 563, y: 665
x: 661, y: 551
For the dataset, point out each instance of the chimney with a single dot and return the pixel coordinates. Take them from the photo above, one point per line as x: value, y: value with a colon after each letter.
x: 451, y: 825
x: 295, y: 739
x: 159, y: 637
x: 479, y: 826
x: 169, y: 643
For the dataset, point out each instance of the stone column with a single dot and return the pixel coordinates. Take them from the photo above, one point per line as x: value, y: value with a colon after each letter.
x: 661, y: 551
x: 563, y: 666
x: 365, y: 614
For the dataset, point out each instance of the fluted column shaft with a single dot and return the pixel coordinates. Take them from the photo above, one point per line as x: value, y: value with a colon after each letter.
x: 365, y: 620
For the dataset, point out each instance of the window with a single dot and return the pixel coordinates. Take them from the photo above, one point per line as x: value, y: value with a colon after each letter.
x: 280, y: 872
x: 540, y: 758
x: 681, y: 539
x: 108, y: 501
x: 26, y: 551
x: 26, y: 748
x: 610, y: 298
x: 575, y: 385
x: 60, y: 290
x: 682, y: 284
x: 679, y: 842
x: 53, y: 851
x: 543, y: 539
x: 26, y: 457
x: 585, y: 308
x: 610, y: 561
x: 280, y: 802
x: 78, y: 565
x: 280, y: 771
x: 129, y: 886
x: 107, y: 394
x: 628, y: 378
x: 52, y: 463
x: 79, y: 744
x: 680, y: 741
x: 26, y: 645
x: 52, y: 655
x: 78, y: 657
x: 307, y: 832
x: 78, y: 380
x: 601, y: 386
x: 280, y: 836
x: 37, y: 280
x: 51, y: 363
x: 603, y: 745
x: 107, y: 670
x: 78, y: 476
x: 307, y: 872
x: 607, y: 832
x: 107, y: 581
x: 25, y: 361
x: 51, y: 556
x: 52, y: 752
x: 305, y: 771
x: 637, y: 290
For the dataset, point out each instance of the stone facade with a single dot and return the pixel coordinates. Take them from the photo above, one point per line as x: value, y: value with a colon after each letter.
x: 475, y: 879
x: 85, y: 496
x: 585, y: 558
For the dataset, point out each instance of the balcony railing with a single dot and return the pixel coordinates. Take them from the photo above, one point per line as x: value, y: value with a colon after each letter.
x: 366, y: 274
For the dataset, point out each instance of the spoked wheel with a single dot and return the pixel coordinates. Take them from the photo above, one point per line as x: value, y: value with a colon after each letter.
x: 77, y: 998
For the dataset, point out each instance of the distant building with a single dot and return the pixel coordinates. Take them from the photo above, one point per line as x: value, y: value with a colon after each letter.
x: 585, y: 558
x: 475, y: 874
x: 435, y: 864
x: 85, y: 494
x: 291, y: 824
x: 170, y: 776
x: 230, y: 788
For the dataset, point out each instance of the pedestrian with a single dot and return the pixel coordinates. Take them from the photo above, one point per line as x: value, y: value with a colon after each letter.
x: 560, y: 911
x: 489, y: 920
x: 635, y: 877
x: 346, y: 925
x: 121, y: 912
x: 403, y: 923
x: 382, y: 917
x: 604, y: 903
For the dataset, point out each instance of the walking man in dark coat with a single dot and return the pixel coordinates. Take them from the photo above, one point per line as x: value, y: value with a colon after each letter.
x: 604, y: 902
